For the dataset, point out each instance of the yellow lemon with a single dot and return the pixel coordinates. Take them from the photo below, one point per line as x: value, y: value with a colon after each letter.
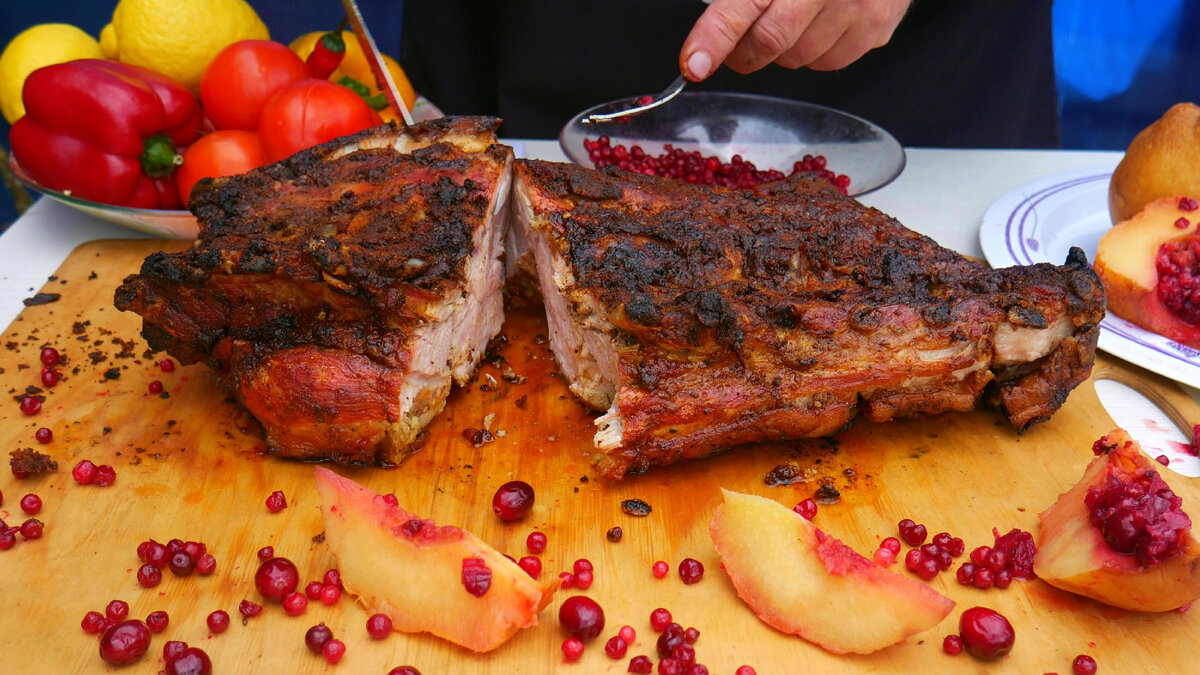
x: 108, y: 42
x: 42, y: 45
x: 354, y: 64
x: 179, y: 38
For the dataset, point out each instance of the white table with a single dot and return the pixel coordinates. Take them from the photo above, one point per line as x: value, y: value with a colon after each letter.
x: 941, y: 193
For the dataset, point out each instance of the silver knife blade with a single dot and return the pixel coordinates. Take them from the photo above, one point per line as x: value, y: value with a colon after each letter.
x: 375, y: 59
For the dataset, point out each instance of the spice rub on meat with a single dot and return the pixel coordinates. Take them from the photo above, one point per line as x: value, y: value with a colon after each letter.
x: 339, y: 291
x: 701, y: 318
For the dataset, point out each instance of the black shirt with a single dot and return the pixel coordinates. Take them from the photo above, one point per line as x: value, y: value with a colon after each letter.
x: 957, y: 73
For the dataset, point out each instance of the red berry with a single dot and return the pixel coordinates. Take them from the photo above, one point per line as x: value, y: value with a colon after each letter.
x: 84, y: 472
x: 32, y: 529
x: 181, y: 564
x: 690, y: 635
x: 191, y: 661
x: 249, y: 609
x: 117, y: 610
x: 911, y: 532
x: 276, y: 578
x: 985, y: 633
x: 744, y: 670
x: 404, y: 670
x: 218, y: 621
x: 295, y: 603
x: 532, y: 566
x: 43, y: 435
x: 333, y: 651
x: 91, y: 622
x: 149, y: 576
x: 330, y: 594
x: 31, y: 504
x: 155, y: 387
x: 582, y: 579
x: 50, y: 357
x: 660, y: 619
x: 641, y: 664
x: 691, y: 570
x: 660, y: 569
x: 31, y: 405
x: 313, y: 590
x: 276, y: 502
x: 806, y: 508
x: 105, y: 475
x: 266, y: 553
x: 1083, y: 665
x: 628, y: 634
x: 173, y: 650
x: 892, y: 544
x: 316, y: 637
x: 513, y: 500
x: 157, y: 621
x: 535, y: 542
x: 616, y: 647
x: 379, y: 626
x: 952, y: 645
x: 206, y: 564
x: 49, y: 377
x: 166, y: 365
x: 332, y: 578
x: 572, y: 649
x: 124, y: 642
x: 581, y: 616
x: 476, y: 576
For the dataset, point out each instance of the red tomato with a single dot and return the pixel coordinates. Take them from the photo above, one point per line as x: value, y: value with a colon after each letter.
x: 307, y: 113
x: 243, y: 77
x: 221, y: 153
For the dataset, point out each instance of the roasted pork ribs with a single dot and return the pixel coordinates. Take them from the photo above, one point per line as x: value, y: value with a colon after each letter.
x: 702, y: 318
x: 339, y: 291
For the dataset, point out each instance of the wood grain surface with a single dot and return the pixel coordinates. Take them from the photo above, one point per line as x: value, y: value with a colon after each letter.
x: 190, y: 465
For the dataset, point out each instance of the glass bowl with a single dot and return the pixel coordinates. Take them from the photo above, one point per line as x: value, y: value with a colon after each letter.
x: 167, y: 224
x: 773, y: 133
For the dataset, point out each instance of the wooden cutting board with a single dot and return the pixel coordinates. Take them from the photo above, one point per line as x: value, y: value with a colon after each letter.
x: 190, y: 465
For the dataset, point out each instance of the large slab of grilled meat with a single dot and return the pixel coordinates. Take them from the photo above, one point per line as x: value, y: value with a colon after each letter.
x: 701, y: 317
x: 339, y: 291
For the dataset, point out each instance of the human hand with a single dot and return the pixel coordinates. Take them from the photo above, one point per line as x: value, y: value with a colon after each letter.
x: 821, y: 34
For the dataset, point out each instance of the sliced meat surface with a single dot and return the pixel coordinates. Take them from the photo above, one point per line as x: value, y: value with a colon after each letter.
x: 701, y: 318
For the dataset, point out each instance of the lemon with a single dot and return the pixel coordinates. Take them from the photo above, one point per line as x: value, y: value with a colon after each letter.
x: 354, y: 64
x: 41, y: 45
x: 108, y: 42
x: 179, y: 38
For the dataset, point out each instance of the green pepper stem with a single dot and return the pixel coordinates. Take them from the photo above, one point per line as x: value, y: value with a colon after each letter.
x: 159, y: 156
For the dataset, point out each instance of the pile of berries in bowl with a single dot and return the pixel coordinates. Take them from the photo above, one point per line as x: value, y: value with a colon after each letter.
x: 738, y: 140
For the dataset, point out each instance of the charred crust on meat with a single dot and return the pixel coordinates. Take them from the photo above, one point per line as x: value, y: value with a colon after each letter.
x: 787, y: 310
x: 1019, y: 315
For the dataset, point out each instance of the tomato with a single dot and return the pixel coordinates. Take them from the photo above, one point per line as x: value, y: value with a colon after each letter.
x: 310, y: 112
x: 221, y: 153
x: 243, y: 77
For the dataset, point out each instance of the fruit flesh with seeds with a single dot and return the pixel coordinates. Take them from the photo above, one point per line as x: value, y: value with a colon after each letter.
x: 804, y: 582
x: 1127, y: 260
x: 1073, y: 554
x: 380, y: 554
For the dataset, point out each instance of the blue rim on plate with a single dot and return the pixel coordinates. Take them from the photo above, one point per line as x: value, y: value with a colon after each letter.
x: 1040, y: 220
x: 771, y: 132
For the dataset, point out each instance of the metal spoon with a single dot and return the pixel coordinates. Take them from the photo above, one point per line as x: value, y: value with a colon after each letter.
x: 639, y: 105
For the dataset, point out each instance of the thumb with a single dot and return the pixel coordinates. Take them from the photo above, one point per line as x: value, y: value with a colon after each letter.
x: 715, y: 34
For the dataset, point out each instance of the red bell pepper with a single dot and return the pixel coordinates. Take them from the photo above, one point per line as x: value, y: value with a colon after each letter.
x: 106, y: 132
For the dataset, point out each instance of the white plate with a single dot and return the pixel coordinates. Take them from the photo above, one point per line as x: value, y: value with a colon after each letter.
x: 1041, y: 220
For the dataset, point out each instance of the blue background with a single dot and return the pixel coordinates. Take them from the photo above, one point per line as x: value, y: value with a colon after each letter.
x: 1120, y: 63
